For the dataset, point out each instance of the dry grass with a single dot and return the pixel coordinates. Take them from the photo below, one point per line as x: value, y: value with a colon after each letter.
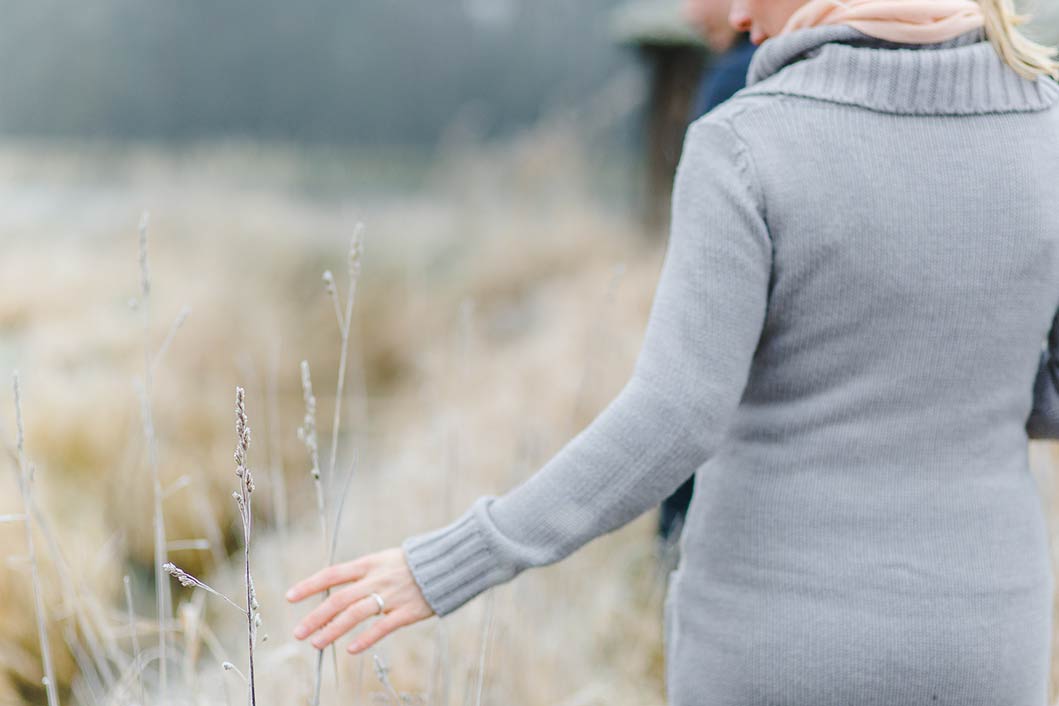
x: 492, y: 322
x: 468, y: 300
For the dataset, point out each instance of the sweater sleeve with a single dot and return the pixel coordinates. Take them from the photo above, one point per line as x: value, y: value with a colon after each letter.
x: 1043, y: 422
x: 703, y: 328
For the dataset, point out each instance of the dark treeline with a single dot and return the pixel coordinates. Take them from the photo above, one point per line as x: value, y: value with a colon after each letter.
x: 323, y: 71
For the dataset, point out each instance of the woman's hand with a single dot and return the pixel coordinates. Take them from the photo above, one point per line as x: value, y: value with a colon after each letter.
x: 386, y: 573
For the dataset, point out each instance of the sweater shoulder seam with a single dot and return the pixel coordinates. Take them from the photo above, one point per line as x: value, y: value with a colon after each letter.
x: 748, y: 170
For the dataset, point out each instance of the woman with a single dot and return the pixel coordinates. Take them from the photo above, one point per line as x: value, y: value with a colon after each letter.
x: 855, y: 326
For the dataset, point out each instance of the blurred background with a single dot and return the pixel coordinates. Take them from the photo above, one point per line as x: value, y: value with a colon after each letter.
x: 506, y: 165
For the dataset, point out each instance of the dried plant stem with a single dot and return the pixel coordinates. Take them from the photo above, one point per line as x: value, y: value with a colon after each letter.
x: 215, y: 648
x: 487, y: 625
x: 8, y: 448
x: 332, y: 291
x: 134, y: 669
x: 188, y: 580
x: 130, y: 673
x: 331, y: 560
x: 177, y: 323
x: 162, y: 593
x: 246, y: 487
x: 307, y: 435
x: 382, y: 672
x: 25, y: 484
x: 353, y: 271
x: 134, y: 636
x: 90, y: 683
x: 250, y: 622
x: 229, y: 667
x: 75, y: 593
x: 176, y: 486
x: 224, y: 684
x: 341, y: 506
x: 242, y: 497
x: 344, y: 318
x: 347, y: 320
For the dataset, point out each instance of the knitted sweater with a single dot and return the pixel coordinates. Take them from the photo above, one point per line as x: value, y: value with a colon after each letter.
x: 847, y: 345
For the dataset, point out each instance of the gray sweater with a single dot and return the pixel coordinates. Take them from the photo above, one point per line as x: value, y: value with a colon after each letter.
x: 846, y: 344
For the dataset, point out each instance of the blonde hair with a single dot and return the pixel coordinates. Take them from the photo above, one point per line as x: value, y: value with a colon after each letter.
x: 1029, y: 58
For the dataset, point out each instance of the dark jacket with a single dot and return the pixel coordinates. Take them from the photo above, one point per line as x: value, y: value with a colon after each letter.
x: 723, y: 76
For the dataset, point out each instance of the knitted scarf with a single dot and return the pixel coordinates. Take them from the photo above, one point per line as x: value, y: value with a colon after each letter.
x: 908, y: 21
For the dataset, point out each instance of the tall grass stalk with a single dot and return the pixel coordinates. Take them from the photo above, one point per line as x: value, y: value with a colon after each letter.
x: 355, y: 249
x: 90, y: 684
x: 487, y: 626
x: 246, y: 487
x: 331, y: 560
x: 382, y: 672
x: 134, y: 636
x: 190, y: 618
x: 307, y: 435
x: 161, y: 557
x: 344, y: 318
x: 75, y: 593
x: 265, y: 387
x: 341, y: 506
x: 173, y: 328
x: 25, y: 484
x: 242, y: 498
x: 213, y: 644
x: 151, y: 359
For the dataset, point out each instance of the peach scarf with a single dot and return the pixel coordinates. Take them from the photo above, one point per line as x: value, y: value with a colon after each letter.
x: 909, y: 21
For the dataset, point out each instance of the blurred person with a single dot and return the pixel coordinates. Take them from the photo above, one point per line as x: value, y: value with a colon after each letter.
x: 856, y: 330
x: 725, y: 74
x: 730, y: 53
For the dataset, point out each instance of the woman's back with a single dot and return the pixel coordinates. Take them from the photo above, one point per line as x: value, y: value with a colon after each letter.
x: 862, y: 268
x: 871, y: 511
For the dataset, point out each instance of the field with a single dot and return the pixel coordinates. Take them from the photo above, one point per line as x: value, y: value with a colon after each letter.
x: 497, y: 311
x: 500, y: 305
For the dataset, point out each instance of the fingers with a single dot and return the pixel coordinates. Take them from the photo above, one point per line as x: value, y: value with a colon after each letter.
x: 328, y: 577
x: 345, y: 621
x: 323, y: 613
x: 378, y: 630
x: 386, y: 572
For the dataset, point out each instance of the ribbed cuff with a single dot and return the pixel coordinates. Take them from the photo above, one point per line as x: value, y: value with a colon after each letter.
x: 455, y: 563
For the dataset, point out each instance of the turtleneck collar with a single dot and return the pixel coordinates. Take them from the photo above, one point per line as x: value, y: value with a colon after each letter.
x: 839, y: 63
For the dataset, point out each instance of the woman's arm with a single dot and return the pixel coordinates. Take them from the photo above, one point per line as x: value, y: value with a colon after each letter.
x: 706, y: 318
x: 1043, y: 422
